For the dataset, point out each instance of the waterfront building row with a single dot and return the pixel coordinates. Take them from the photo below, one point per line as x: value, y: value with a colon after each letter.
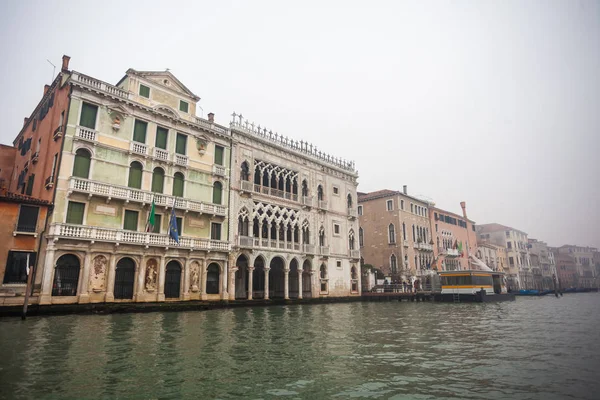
x: 149, y: 202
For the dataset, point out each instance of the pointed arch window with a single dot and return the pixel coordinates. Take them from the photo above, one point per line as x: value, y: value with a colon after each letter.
x: 351, y: 240
x: 394, y: 264
x: 217, y: 192
x: 135, y: 175
x: 320, y: 193
x: 321, y: 237
x: 392, y: 233
x: 361, y: 239
x: 245, y: 171
x: 403, y: 231
x: 304, y: 188
x: 349, y: 200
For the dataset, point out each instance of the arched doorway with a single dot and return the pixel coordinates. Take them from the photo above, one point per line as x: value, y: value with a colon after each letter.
x: 293, y: 279
x: 258, y: 278
x: 124, y: 278
x: 306, y: 280
x: 277, y: 278
x: 241, y: 277
x: 66, y: 276
x: 173, y: 280
x: 213, y: 274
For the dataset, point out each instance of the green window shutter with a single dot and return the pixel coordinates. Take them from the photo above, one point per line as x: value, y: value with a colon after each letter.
x: 81, y: 165
x: 180, y: 144
x: 215, y: 231
x: 178, y: 185
x: 183, y: 106
x: 75, y: 213
x: 157, y: 223
x: 161, y: 138
x: 179, y: 221
x: 217, y: 193
x: 30, y: 184
x: 130, y: 222
x: 219, y: 155
x: 139, y: 131
x: 144, y: 91
x: 135, y: 176
x: 88, y: 116
x: 158, y: 181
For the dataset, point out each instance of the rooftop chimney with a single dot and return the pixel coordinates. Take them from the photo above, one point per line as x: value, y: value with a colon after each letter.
x: 405, y: 189
x: 65, y: 63
x: 25, y: 121
x: 211, y: 117
x: 46, y: 87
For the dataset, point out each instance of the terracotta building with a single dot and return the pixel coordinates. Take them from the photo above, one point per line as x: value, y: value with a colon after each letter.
x: 566, y: 269
x: 395, y: 234
x: 7, y: 164
x: 452, y: 235
x: 23, y: 221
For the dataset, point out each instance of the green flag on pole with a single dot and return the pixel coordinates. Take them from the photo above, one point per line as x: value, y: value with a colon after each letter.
x: 151, y: 219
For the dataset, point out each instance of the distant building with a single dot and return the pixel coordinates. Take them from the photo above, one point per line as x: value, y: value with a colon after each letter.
x: 493, y: 256
x: 584, y: 263
x: 515, y: 242
x: 452, y: 234
x: 543, y: 266
x: 395, y: 234
x: 566, y: 269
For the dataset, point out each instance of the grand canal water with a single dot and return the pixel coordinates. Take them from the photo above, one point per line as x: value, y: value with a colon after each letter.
x: 533, y: 348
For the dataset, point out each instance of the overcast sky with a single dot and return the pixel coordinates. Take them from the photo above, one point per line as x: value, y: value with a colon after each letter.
x: 493, y: 102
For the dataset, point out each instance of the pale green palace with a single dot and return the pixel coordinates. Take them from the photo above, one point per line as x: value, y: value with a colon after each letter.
x: 126, y: 147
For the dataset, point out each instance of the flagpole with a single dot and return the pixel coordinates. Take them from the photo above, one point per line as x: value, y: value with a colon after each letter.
x: 28, y: 288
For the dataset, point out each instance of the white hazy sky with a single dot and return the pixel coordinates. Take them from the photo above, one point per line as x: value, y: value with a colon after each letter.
x: 493, y: 102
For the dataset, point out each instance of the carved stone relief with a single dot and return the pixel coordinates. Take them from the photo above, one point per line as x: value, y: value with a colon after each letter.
x: 98, y: 275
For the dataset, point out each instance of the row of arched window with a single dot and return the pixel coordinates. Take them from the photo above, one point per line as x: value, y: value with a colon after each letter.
x: 81, y: 169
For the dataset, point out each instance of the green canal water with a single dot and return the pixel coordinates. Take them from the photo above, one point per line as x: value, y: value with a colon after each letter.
x: 533, y: 348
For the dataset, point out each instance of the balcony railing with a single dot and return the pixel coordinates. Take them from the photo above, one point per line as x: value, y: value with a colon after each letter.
x: 323, y: 205
x: 161, y: 154
x: 85, y: 133
x: 352, y: 213
x: 246, y: 186
x: 57, y: 133
x: 307, y: 201
x: 139, y: 148
x: 252, y: 242
x: 25, y: 228
x: 354, y: 254
x: 423, y: 246
x: 405, y: 243
x: 275, y: 192
x: 34, y: 157
x: 180, y: 159
x: 219, y: 170
x: 141, y: 196
x: 142, y: 238
x: 49, y: 182
x: 308, y: 248
x: 99, y: 85
x: 324, y: 250
x: 449, y: 252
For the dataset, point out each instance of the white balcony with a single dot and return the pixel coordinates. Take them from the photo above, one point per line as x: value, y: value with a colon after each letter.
x: 246, y: 186
x: 354, y: 254
x: 98, y: 85
x: 323, y: 205
x: 449, y: 252
x: 161, y: 154
x: 405, y: 243
x: 180, y: 159
x: 275, y: 192
x: 257, y: 243
x: 307, y: 201
x: 34, y: 157
x: 352, y: 213
x: 423, y: 246
x: 246, y: 241
x: 219, y: 170
x: 139, y: 148
x: 308, y: 248
x: 324, y: 250
x: 85, y: 133
x: 109, y: 191
x: 111, y: 235
x: 57, y: 133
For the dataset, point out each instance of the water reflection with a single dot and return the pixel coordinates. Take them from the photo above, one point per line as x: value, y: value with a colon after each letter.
x: 531, y: 348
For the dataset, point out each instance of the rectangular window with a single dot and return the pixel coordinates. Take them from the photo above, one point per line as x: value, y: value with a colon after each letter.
x: 88, y: 116
x: 511, y: 261
x: 402, y: 204
x: 360, y: 210
x: 412, y: 208
x: 28, y: 216
x: 16, y: 266
x: 509, y: 245
x: 130, y: 222
x: 336, y: 190
x: 53, y: 172
x: 161, y: 137
x: 180, y: 144
x: 139, y: 131
x: 183, y: 106
x: 219, y: 155
x: 144, y: 91
x: 75, y: 212
x: 179, y: 222
x: 390, y: 205
x: 338, y: 263
x: 30, y: 184
x: 215, y: 231
x: 336, y: 229
x: 157, y: 223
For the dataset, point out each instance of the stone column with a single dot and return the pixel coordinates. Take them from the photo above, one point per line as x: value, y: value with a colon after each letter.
x: 110, y: 278
x: 84, y: 296
x: 140, y: 281
x: 232, y: 272
x: 250, y: 282
x: 47, y: 273
x: 267, y: 283
x: 300, y: 283
x: 286, y: 283
x: 161, y: 279
x: 186, y: 279
x: 203, y: 267
x: 224, y: 281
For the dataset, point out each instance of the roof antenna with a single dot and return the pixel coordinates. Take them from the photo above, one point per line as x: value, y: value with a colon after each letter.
x: 53, y: 70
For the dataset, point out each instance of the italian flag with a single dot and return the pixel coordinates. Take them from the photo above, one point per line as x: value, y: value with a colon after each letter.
x: 151, y: 219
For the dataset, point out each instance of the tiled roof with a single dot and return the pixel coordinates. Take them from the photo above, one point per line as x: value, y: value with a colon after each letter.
x: 377, y: 195
x: 20, y: 198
